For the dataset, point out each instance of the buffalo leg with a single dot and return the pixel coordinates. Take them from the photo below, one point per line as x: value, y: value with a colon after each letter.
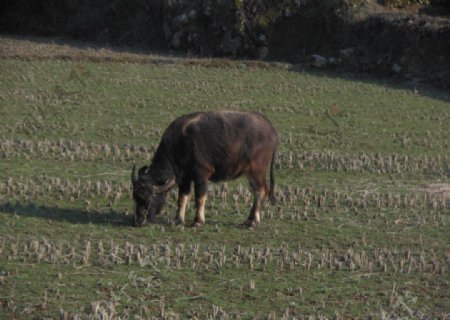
x: 260, y: 191
x: 184, y: 194
x: 201, y: 188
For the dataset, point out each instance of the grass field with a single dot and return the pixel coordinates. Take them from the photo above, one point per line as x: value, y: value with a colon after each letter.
x: 361, y: 229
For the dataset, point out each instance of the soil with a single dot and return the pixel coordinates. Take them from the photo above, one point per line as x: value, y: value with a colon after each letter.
x: 442, y: 189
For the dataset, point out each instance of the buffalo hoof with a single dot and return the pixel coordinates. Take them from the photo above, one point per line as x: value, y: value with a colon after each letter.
x: 140, y: 223
x: 198, y: 224
x: 251, y: 224
x: 178, y: 222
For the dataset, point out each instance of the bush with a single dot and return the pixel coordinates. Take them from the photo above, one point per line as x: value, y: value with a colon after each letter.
x: 443, y: 3
x: 116, y: 21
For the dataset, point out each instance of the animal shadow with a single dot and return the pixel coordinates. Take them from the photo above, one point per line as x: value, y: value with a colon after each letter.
x: 70, y: 215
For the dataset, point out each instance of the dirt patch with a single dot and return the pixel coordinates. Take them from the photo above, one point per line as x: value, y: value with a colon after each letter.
x: 442, y: 189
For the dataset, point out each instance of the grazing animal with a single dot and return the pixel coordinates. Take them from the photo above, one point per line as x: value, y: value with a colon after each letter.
x: 207, y: 146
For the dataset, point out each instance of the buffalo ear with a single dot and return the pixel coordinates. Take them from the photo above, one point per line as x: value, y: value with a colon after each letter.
x: 142, y: 171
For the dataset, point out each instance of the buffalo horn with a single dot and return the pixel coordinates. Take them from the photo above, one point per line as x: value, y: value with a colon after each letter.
x: 134, y: 179
x: 163, y: 188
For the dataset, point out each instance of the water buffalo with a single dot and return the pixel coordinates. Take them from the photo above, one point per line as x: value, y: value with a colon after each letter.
x: 207, y: 146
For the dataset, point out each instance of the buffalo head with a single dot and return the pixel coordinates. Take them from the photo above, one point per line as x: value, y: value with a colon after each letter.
x: 148, y: 195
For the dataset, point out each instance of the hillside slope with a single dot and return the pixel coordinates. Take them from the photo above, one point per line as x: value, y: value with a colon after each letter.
x: 384, y: 37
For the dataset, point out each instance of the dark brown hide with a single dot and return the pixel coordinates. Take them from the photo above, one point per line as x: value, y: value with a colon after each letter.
x: 209, y: 146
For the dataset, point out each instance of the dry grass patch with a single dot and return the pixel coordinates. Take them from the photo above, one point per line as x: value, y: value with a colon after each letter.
x: 442, y: 189
x: 37, y: 48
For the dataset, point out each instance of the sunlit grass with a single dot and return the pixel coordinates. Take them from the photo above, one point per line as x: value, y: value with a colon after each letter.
x: 361, y: 228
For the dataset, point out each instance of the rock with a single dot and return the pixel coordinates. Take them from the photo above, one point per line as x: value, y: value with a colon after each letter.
x: 166, y: 30
x: 180, y: 20
x: 192, y: 14
x: 231, y: 45
x: 207, y: 11
x: 261, y: 40
x: 317, y: 61
x: 414, y: 82
x: 396, y: 68
x: 287, y: 13
x: 332, y: 61
x: 346, y: 53
x: 176, y: 39
x: 262, y: 52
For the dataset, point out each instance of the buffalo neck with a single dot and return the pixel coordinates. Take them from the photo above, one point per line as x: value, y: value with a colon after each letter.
x: 161, y: 168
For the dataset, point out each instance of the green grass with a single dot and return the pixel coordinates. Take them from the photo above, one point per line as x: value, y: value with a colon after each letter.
x: 377, y: 246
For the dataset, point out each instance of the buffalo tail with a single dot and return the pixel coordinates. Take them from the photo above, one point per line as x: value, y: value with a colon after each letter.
x: 272, y: 197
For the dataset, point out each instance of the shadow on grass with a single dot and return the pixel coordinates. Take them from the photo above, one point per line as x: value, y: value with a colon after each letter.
x: 75, y: 50
x: 70, y: 215
x: 112, y: 217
